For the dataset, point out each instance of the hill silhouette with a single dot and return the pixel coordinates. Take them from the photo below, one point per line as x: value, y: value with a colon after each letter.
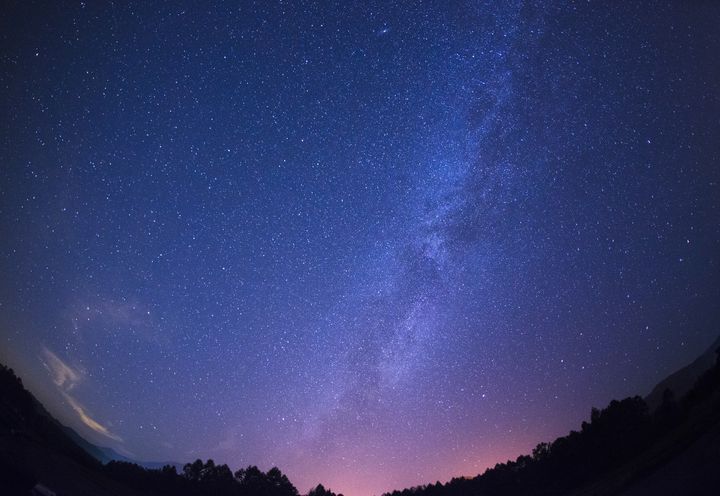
x: 625, y: 448
x: 37, y: 451
x: 681, y: 381
x: 106, y: 455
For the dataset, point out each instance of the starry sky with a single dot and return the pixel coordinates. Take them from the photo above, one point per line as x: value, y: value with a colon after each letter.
x: 376, y: 244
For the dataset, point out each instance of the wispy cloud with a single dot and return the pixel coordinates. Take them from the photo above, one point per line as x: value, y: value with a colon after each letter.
x: 66, y: 378
x: 88, y: 420
x: 97, y: 318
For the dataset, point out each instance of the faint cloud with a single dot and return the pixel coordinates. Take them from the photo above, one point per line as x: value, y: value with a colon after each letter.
x: 89, y: 421
x: 125, y: 452
x: 96, y: 318
x: 66, y: 378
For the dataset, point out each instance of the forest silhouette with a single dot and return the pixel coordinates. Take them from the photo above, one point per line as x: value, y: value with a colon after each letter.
x: 619, y: 445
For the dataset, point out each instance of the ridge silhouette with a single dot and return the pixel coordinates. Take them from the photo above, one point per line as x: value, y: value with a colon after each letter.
x: 621, y: 448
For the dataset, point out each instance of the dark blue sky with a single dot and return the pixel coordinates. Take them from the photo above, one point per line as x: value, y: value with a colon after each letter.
x: 375, y: 245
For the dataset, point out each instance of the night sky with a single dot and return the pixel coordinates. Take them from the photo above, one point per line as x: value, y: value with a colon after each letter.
x: 375, y: 245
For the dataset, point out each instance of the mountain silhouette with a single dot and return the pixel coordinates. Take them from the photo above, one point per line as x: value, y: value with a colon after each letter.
x: 35, y: 449
x: 105, y: 454
x: 39, y: 455
x: 628, y: 448
x: 681, y: 381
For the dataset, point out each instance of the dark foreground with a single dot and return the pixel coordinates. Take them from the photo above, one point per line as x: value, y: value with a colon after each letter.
x: 626, y: 449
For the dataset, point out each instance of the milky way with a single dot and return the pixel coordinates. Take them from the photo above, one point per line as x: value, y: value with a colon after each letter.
x: 375, y: 245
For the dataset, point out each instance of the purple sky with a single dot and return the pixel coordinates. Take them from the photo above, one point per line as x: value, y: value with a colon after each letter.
x: 375, y: 245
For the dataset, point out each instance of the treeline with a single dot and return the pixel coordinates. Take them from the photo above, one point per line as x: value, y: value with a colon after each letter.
x: 626, y: 431
x: 24, y: 420
x: 203, y: 478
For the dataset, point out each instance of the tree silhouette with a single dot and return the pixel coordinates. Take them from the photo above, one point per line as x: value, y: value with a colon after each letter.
x: 320, y: 490
x: 619, y: 435
x: 193, y: 471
